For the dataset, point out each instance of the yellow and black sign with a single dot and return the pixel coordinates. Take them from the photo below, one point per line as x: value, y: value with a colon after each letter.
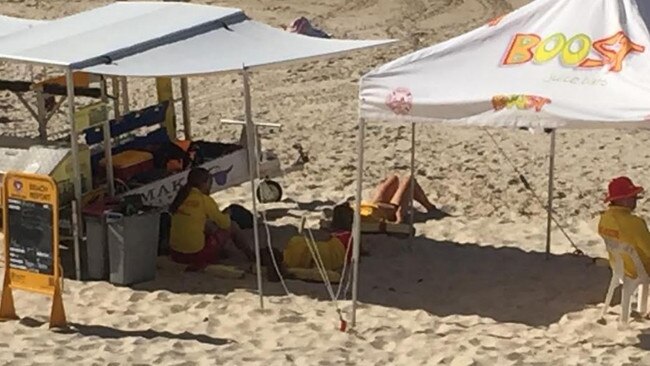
x: 31, y: 242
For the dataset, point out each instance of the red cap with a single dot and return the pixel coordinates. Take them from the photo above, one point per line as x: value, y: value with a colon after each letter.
x: 621, y: 188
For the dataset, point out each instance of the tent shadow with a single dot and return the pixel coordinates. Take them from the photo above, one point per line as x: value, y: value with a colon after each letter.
x: 505, y: 284
x: 274, y: 214
x: 311, y: 206
x: 441, y: 277
x: 420, y: 217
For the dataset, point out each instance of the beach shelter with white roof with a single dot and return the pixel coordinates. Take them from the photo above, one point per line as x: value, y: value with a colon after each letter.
x: 160, y: 39
x: 550, y: 64
x: 11, y: 25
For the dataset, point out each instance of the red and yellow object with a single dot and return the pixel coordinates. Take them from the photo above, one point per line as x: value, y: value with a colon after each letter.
x: 521, y: 102
x: 129, y: 163
x: 176, y: 165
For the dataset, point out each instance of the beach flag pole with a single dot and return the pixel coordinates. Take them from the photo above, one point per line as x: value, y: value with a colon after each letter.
x: 549, y: 207
x: 356, y: 239
x: 252, y: 165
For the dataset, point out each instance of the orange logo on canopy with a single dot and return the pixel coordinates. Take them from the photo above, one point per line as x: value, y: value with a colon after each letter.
x: 521, y: 102
x: 577, y: 52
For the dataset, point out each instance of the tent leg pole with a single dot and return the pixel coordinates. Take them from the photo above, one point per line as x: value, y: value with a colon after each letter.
x: 549, y: 207
x: 185, y: 96
x: 125, y: 94
x: 42, y: 122
x: 412, y: 189
x: 252, y: 165
x: 115, y: 87
x: 356, y: 240
x: 108, y: 146
x: 77, y: 228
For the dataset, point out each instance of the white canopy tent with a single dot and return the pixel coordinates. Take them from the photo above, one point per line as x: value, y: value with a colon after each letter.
x: 11, y: 25
x: 149, y: 39
x: 550, y: 64
x: 160, y: 39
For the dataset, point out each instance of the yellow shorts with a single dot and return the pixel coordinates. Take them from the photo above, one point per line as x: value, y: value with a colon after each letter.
x: 378, y: 212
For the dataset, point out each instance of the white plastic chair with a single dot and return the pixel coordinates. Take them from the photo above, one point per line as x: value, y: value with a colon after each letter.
x: 618, y: 250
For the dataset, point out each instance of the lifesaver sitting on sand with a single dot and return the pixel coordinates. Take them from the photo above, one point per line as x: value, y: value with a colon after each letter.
x: 298, y: 259
x: 199, y: 229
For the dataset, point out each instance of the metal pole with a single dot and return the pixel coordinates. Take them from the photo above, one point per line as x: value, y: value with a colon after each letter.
x: 108, y: 146
x: 125, y: 94
x: 115, y: 86
x: 77, y: 250
x: 252, y: 164
x: 40, y: 108
x: 549, y: 208
x: 356, y: 239
x: 412, y: 194
x: 77, y: 228
x: 185, y: 96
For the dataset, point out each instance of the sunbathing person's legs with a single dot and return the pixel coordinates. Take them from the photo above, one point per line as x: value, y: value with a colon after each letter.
x: 386, y: 190
x: 402, y: 197
x: 420, y: 197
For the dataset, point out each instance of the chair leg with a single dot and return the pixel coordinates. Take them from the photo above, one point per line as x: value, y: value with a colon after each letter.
x: 642, y: 301
x: 610, y: 293
x: 626, y: 299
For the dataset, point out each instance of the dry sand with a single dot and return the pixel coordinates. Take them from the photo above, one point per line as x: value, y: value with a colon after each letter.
x: 473, y: 289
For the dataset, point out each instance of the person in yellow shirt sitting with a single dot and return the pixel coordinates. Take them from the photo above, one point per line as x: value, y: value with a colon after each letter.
x: 620, y: 224
x: 199, y: 230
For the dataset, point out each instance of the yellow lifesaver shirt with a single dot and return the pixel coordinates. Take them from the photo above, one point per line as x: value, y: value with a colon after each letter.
x: 188, y: 223
x: 297, y: 254
x: 620, y: 224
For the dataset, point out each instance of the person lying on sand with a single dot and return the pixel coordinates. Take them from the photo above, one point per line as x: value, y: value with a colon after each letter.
x: 391, y: 200
x: 389, y: 203
x: 199, y: 230
x: 333, y: 251
x: 620, y: 224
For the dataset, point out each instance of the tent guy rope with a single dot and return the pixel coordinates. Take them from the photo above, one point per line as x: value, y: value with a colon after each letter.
x: 530, y: 189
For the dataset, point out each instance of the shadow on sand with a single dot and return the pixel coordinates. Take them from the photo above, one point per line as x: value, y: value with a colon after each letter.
x: 644, y: 341
x: 113, y: 333
x: 442, y: 278
x: 274, y: 214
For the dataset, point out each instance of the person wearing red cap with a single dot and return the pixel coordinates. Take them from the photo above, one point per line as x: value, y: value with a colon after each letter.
x: 619, y: 223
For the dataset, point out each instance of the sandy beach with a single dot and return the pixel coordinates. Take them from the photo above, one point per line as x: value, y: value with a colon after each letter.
x: 473, y: 288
